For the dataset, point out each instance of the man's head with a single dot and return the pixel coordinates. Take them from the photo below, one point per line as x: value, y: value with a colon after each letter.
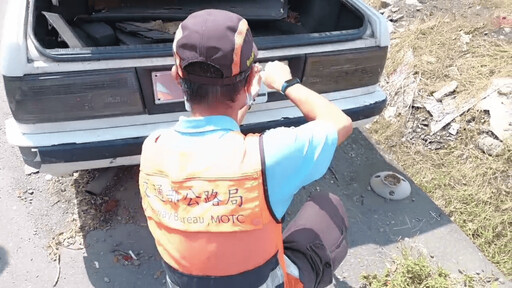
x: 214, y: 52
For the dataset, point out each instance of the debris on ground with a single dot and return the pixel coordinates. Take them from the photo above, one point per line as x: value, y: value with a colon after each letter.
x: 401, y: 87
x: 413, y: 2
x: 465, y: 39
x: 86, y: 212
x: 386, y: 3
x: 57, y: 277
x: 101, y: 181
x: 389, y: 185
x: 499, y: 105
x: 490, y: 146
x: 158, y: 274
x: 503, y: 22
x: 126, y: 258
x: 454, y: 129
x: 110, y: 206
x: 446, y: 90
x: 30, y: 170
x: 449, y: 108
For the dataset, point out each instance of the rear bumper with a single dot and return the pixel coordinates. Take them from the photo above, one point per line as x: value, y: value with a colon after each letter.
x: 60, y: 159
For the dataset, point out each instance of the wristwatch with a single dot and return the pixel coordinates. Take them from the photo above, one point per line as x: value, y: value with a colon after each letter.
x: 289, y: 83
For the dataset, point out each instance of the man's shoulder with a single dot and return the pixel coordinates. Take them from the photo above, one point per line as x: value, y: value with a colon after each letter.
x: 310, y: 129
x: 155, y: 136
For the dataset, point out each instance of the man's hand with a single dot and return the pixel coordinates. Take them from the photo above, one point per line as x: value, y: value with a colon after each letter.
x: 252, y: 88
x: 255, y: 81
x: 275, y: 74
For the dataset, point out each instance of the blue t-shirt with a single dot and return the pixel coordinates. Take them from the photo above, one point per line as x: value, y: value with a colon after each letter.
x: 294, y: 157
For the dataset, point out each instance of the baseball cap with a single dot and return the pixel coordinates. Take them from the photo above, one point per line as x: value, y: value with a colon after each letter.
x: 220, y: 38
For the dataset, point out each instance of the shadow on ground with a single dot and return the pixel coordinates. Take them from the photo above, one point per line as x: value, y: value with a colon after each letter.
x: 373, y: 220
x: 4, y: 260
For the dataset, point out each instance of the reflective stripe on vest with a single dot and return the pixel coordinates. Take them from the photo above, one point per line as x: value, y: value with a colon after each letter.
x: 269, y: 275
x: 207, y: 207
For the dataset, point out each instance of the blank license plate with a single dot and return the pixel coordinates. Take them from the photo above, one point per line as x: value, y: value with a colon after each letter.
x: 167, y: 90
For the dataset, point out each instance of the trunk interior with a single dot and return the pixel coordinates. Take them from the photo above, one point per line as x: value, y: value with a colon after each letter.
x: 123, y: 24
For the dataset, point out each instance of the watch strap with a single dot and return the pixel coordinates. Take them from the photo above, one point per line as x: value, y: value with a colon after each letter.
x: 289, y: 83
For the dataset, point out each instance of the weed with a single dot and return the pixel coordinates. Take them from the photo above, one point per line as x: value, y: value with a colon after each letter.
x: 409, y: 271
x: 413, y: 269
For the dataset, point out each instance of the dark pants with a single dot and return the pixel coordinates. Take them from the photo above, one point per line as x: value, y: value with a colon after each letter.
x: 316, y: 239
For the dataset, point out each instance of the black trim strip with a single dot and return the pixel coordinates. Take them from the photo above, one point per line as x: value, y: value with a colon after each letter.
x: 264, y: 177
x: 250, y: 279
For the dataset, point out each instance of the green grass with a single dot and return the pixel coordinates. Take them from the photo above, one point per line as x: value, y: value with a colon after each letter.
x: 413, y: 269
x: 409, y: 271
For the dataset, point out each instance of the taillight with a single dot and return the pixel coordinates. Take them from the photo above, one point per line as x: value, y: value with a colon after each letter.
x: 73, y: 95
x: 329, y: 72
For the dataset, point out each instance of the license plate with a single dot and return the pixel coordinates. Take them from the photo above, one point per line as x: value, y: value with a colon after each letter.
x: 167, y: 90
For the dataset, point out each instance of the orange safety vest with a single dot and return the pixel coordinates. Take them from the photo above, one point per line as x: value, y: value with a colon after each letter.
x: 207, y: 207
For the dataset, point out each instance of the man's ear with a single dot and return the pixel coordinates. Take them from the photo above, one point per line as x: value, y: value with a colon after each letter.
x: 175, y: 76
x: 253, y: 84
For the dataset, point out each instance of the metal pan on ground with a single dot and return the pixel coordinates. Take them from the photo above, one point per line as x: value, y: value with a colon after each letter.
x: 390, y: 185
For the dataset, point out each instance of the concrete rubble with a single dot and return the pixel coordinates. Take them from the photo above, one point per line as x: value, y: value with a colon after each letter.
x: 490, y: 146
x: 499, y: 105
x: 401, y: 87
x: 445, y: 111
x: 413, y: 2
x: 446, y: 90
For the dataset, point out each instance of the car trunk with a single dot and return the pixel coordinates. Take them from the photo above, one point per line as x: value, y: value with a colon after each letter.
x: 72, y: 30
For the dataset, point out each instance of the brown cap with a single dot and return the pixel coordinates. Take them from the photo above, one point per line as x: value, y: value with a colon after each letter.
x: 217, y: 37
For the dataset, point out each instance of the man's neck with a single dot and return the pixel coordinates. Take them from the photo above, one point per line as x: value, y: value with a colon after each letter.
x: 214, y: 110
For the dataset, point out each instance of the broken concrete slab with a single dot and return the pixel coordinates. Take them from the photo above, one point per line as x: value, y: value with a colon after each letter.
x: 454, y: 129
x: 96, y: 186
x: 386, y: 3
x: 450, y: 108
x: 401, y: 87
x: 413, y: 2
x: 465, y: 39
x: 499, y: 105
x: 446, y: 90
x: 490, y: 146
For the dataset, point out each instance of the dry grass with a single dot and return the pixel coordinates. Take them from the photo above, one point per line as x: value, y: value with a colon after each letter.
x: 441, y: 56
x: 471, y: 187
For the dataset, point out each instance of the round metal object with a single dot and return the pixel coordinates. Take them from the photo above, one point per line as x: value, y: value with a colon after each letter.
x: 390, y: 185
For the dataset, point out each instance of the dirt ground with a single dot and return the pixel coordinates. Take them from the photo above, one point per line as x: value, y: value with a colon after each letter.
x: 434, y: 43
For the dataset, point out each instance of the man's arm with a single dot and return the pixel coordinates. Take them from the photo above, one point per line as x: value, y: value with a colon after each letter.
x: 312, y: 105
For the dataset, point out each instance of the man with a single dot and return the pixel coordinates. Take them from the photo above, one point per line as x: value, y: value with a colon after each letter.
x: 213, y: 197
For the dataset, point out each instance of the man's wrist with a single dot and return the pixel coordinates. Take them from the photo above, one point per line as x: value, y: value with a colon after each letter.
x: 289, y: 83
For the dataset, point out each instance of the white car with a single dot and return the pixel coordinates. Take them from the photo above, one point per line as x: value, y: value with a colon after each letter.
x: 87, y: 80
